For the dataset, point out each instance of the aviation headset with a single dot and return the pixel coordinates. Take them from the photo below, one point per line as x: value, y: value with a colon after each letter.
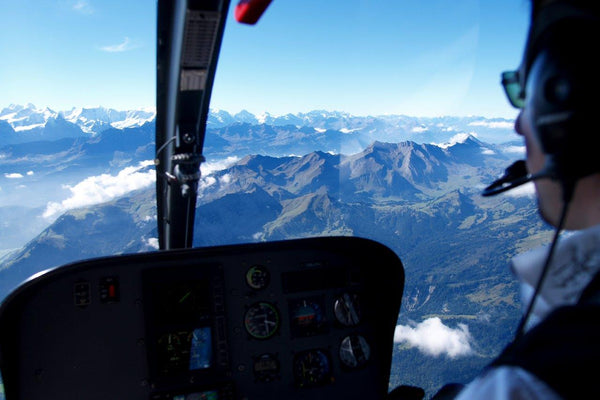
x: 560, y: 81
x: 561, y: 77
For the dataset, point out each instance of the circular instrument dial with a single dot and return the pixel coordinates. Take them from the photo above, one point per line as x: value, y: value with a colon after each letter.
x: 312, y: 368
x: 262, y: 320
x: 306, y: 317
x: 347, y: 309
x: 354, y: 351
x: 266, y: 367
x: 258, y: 277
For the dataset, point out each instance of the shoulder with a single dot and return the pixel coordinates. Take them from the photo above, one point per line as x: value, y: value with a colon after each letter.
x: 562, y: 351
x: 505, y: 383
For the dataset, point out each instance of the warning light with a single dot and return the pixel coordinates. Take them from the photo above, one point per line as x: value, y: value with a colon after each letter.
x: 109, y: 290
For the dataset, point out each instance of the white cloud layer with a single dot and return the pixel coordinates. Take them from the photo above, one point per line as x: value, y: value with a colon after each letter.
x: 515, y: 149
x: 14, y: 175
x: 126, y: 45
x: 526, y: 190
x: 208, y: 168
x: 494, y: 124
x: 152, y: 242
x: 102, y: 188
x: 434, y: 338
x: 458, y: 138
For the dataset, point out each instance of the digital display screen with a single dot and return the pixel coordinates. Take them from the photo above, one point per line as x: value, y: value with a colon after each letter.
x: 185, y: 350
x: 182, y: 314
x: 182, y: 302
x: 201, y: 349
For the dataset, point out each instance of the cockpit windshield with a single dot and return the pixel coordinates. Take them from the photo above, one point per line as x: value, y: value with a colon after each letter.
x: 377, y: 119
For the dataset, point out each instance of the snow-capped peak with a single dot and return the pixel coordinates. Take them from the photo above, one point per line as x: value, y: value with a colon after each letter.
x: 89, y: 119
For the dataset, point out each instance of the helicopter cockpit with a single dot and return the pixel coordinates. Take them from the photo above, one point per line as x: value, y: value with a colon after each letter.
x: 230, y: 251
x: 307, y: 318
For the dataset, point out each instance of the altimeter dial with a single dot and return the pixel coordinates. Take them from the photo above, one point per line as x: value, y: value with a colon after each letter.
x: 262, y: 320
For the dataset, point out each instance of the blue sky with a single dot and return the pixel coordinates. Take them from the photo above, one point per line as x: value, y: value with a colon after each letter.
x: 365, y: 57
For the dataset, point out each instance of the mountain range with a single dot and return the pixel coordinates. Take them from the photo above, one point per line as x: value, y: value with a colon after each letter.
x: 420, y: 199
x: 19, y: 124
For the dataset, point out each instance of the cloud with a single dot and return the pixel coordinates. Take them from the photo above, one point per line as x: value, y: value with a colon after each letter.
x: 208, y: 168
x: 494, y: 124
x: 126, y: 45
x: 526, y: 190
x: 14, y: 175
x: 102, y: 188
x: 206, y: 181
x: 515, y: 149
x: 152, y: 242
x: 29, y: 173
x: 458, y: 138
x: 83, y: 7
x: 225, y: 179
x: 434, y: 338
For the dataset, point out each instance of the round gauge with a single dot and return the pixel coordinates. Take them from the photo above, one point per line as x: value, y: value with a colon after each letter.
x: 258, y: 277
x: 354, y: 351
x: 262, y: 320
x: 347, y: 309
x: 312, y: 368
x: 266, y: 367
x: 306, y: 317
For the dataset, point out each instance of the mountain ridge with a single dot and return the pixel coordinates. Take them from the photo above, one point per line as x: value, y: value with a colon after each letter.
x: 421, y: 200
x: 29, y: 122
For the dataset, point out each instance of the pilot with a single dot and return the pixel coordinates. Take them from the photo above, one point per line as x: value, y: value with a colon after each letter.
x: 556, y: 350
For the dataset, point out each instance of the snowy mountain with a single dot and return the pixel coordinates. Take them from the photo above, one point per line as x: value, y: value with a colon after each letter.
x: 32, y: 123
x: 387, y: 128
x: 19, y: 124
x: 94, y: 120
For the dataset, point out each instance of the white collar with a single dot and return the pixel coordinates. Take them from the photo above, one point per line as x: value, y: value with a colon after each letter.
x: 575, y: 262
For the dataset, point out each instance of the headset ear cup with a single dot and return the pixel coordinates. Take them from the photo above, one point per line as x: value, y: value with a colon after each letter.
x: 550, y: 93
x: 558, y: 90
x: 563, y: 86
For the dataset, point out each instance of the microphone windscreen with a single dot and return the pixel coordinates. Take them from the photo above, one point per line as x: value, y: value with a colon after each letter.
x: 515, y: 175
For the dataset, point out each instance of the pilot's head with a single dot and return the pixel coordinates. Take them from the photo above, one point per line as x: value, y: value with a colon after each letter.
x: 557, y: 88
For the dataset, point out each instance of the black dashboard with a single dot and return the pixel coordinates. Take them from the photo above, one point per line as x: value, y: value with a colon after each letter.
x: 300, y: 319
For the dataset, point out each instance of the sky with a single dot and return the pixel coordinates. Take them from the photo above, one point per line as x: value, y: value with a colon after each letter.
x: 364, y: 57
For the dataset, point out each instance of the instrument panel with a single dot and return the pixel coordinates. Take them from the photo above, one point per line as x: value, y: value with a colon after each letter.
x: 300, y: 319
